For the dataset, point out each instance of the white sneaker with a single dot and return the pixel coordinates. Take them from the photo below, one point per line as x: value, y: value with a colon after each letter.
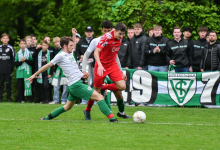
x: 52, y: 102
x: 63, y: 103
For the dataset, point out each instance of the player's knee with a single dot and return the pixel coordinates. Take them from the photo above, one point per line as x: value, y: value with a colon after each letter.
x: 67, y: 107
x: 121, y: 87
x: 99, y: 98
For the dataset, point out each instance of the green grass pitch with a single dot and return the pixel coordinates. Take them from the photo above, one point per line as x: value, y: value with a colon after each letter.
x: 166, y: 128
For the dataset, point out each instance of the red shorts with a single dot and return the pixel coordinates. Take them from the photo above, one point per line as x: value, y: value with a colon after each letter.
x: 114, y: 74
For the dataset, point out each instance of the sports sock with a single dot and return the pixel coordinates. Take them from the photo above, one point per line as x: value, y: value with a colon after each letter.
x: 111, y: 87
x: 55, y: 113
x: 108, y: 102
x: 121, y: 105
x: 105, y: 110
x: 89, y: 105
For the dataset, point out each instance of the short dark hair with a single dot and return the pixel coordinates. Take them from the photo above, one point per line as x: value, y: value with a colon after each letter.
x: 121, y: 26
x: 107, y: 24
x: 207, y: 34
x: 45, y: 37
x: 203, y: 29
x: 22, y: 40
x: 45, y: 42
x: 213, y: 31
x: 65, y: 41
x: 150, y: 29
x: 33, y: 35
x: 176, y: 27
x: 187, y: 29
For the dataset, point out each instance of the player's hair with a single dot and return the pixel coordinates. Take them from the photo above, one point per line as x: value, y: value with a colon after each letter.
x: 45, y: 37
x: 5, y: 34
x: 213, y: 31
x: 22, y: 40
x: 158, y: 27
x: 150, y: 29
x: 138, y: 25
x: 45, y: 42
x: 56, y: 39
x: 33, y: 35
x: 28, y: 37
x: 65, y: 41
x: 203, y: 28
x: 177, y: 27
x: 120, y: 26
x: 207, y: 34
x: 107, y: 24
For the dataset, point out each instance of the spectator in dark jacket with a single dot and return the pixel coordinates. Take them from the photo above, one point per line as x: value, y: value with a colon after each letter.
x: 124, y: 53
x: 155, y: 50
x: 130, y: 33
x: 150, y: 32
x: 198, y: 46
x: 211, y: 54
x: 137, y: 57
x: 179, y: 52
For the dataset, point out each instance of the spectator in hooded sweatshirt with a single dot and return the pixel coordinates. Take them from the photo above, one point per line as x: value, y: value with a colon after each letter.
x: 155, y: 50
x: 124, y: 52
x: 198, y: 46
x: 211, y: 54
x: 179, y: 52
x: 137, y: 57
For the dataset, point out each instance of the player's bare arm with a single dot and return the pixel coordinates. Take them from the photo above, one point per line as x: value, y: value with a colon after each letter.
x: 100, y: 67
x: 74, y: 31
x: 42, y: 69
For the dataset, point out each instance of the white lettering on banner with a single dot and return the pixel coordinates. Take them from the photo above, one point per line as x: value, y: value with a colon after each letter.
x: 181, y: 87
x: 143, y: 85
x: 211, y: 81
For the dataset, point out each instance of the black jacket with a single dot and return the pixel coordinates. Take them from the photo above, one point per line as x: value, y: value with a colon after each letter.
x: 7, y: 58
x: 124, y: 52
x: 35, y: 57
x: 81, y: 48
x: 180, y: 52
x: 215, y: 56
x: 197, y: 48
x: 137, y: 57
x: 156, y: 59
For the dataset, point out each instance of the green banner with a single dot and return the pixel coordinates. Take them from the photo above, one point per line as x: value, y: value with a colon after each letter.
x: 175, y: 89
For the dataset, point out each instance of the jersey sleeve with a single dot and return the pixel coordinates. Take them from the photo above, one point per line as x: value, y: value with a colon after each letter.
x: 92, y: 46
x: 56, y: 59
x: 102, y: 43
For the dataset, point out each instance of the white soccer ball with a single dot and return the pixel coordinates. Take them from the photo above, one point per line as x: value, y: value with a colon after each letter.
x: 139, y: 117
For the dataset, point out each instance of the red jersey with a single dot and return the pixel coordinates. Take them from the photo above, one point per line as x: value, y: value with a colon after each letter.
x: 110, y: 46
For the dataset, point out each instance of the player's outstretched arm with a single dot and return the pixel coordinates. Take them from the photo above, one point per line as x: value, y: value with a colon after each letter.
x: 100, y: 67
x: 85, y: 60
x: 42, y: 69
x: 74, y: 31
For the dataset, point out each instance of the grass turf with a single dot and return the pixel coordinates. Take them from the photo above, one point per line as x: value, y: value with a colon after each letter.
x: 165, y: 128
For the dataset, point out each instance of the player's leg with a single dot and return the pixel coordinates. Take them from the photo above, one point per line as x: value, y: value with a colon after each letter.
x: 103, y: 106
x: 98, y: 81
x: 60, y: 110
x: 120, y: 104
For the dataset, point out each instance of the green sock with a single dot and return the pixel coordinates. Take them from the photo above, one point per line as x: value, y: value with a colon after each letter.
x: 108, y: 102
x: 105, y: 110
x: 55, y: 113
x: 121, y: 105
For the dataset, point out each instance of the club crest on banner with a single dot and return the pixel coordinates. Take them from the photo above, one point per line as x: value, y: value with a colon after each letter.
x: 181, y: 87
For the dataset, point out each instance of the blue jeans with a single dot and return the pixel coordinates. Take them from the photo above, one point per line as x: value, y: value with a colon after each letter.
x: 57, y: 92
x: 178, y: 69
x: 157, y: 68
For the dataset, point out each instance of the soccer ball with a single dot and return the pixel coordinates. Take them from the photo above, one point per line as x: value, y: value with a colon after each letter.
x: 139, y: 117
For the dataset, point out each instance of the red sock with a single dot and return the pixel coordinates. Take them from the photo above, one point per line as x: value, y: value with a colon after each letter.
x: 89, y: 105
x: 111, y: 87
x: 110, y: 116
